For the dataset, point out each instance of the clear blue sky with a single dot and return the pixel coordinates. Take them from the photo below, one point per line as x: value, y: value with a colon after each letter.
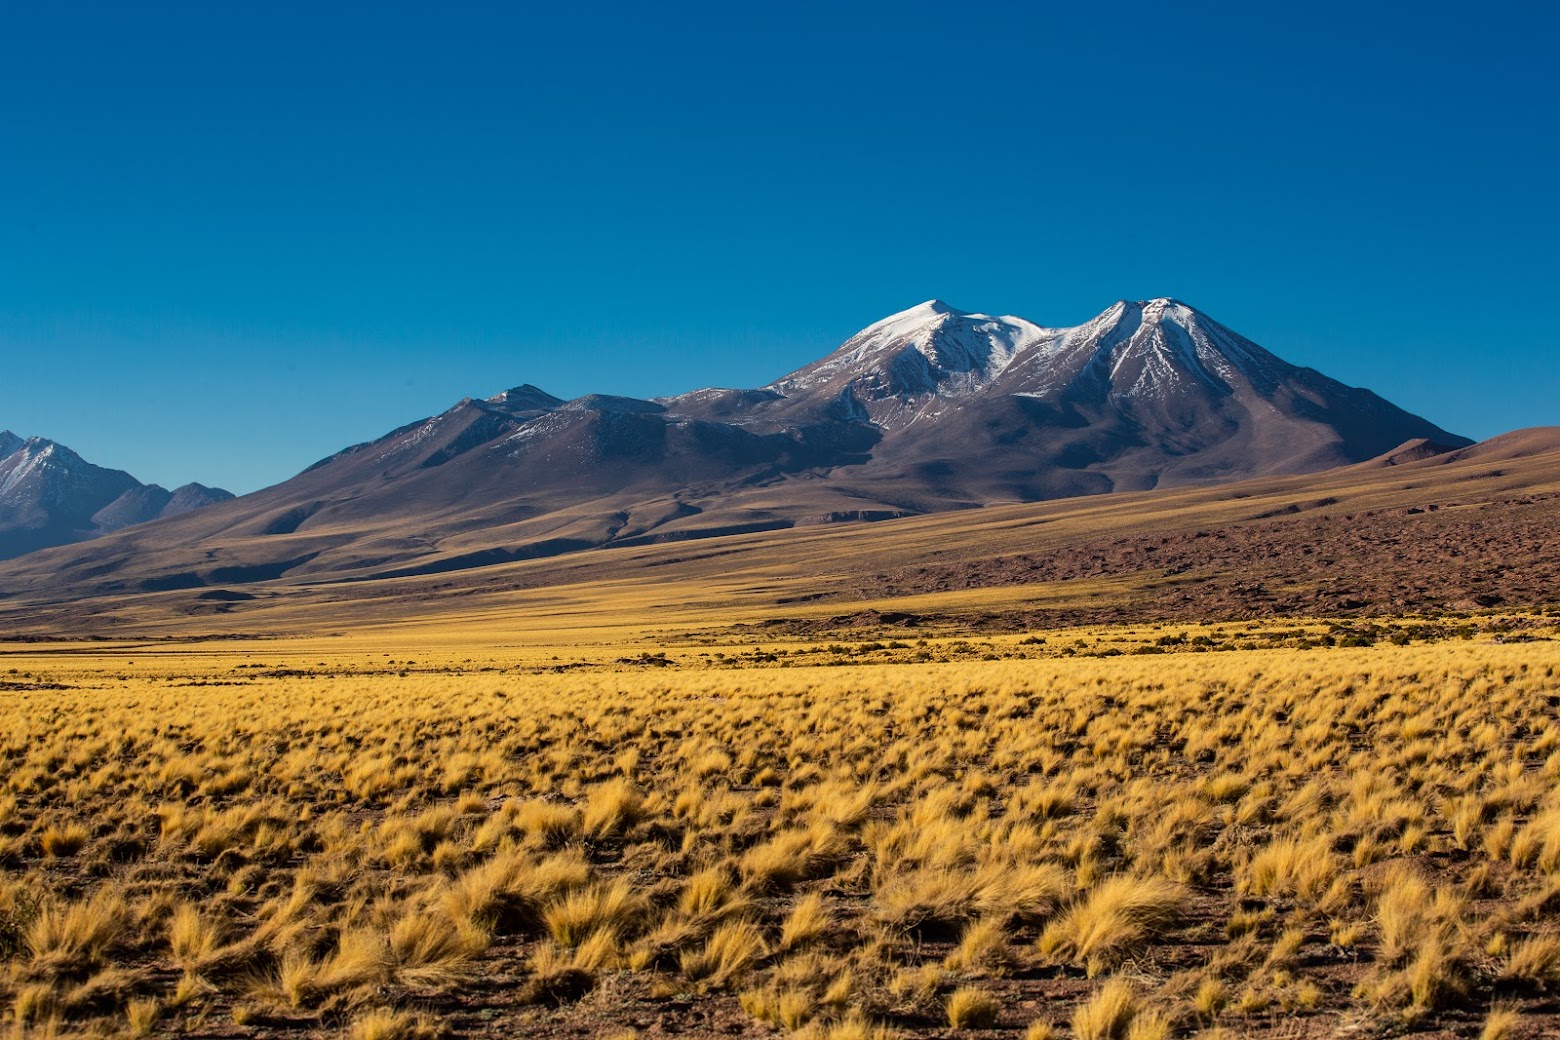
x: 237, y: 237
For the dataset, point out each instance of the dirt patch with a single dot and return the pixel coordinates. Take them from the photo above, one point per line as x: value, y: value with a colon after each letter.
x: 1425, y: 559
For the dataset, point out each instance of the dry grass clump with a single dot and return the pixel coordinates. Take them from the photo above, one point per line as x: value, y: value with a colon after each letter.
x: 929, y: 901
x: 1114, y: 921
x: 196, y: 940
x: 1293, y: 868
x: 1108, y: 1014
x: 1532, y: 961
x: 141, y: 1017
x: 64, y: 840
x: 1423, y: 946
x: 610, y: 810
x: 508, y: 893
x: 728, y: 954
x: 431, y: 949
x: 583, y: 911
x: 1140, y: 848
x: 984, y: 949
x: 792, y: 856
x: 390, y: 1024
x: 810, y: 919
x: 852, y: 1027
x: 972, y: 1008
x: 359, y: 963
x: 69, y: 938
x: 1502, y: 1023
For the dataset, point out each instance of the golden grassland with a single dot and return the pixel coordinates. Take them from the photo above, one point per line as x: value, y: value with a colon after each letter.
x: 1097, y: 833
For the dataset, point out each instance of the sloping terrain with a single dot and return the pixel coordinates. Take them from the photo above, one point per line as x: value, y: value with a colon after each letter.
x: 51, y: 496
x: 930, y: 410
x: 1474, y: 528
x: 1147, y: 394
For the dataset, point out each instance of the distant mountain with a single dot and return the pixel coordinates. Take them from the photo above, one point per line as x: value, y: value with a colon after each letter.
x: 51, y: 496
x: 1148, y: 394
x: 929, y: 409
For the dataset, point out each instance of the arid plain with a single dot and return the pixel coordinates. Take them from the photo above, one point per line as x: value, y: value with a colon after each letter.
x: 1275, y: 759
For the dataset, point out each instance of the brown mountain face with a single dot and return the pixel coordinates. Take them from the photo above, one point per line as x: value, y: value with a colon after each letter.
x: 1475, y: 529
x: 51, y: 496
x: 928, y: 410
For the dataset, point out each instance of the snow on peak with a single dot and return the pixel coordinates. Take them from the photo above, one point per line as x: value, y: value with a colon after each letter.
x: 1152, y: 346
x: 36, y: 455
x: 929, y: 348
x: 39, y: 449
x: 907, y: 321
x: 1139, y: 349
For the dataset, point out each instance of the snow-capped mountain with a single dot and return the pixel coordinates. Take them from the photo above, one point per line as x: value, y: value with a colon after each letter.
x: 1149, y: 353
x: 929, y: 409
x: 50, y: 496
x: 1146, y: 394
x: 927, y: 350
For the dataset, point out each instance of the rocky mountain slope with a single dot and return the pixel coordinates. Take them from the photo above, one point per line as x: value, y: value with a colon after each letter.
x: 51, y: 496
x: 927, y: 410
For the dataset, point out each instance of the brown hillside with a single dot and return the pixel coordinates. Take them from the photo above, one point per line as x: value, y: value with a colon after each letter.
x: 1471, y: 529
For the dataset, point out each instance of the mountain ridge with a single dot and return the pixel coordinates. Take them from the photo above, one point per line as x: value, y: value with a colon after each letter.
x: 51, y: 496
x: 1447, y: 532
x: 926, y: 410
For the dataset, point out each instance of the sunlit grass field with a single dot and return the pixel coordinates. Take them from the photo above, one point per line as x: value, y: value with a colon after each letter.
x: 1092, y: 833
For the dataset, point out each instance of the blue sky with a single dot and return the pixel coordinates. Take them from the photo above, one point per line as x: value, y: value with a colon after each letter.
x: 235, y: 238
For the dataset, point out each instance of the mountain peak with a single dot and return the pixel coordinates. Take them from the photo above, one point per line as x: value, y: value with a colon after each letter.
x: 907, y: 321
x: 49, y: 496
x: 526, y: 397
x: 40, y: 450
x: 193, y: 496
x: 930, y: 350
x: 930, y: 408
x: 1156, y: 309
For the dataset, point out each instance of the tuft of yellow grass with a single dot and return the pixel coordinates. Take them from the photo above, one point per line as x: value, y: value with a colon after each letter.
x: 809, y: 919
x: 1108, y: 1014
x: 1500, y: 1024
x: 983, y: 949
x: 64, y: 840
x: 194, y: 938
x: 610, y: 809
x: 1116, y: 919
x: 360, y: 962
x: 392, y: 1024
x: 854, y: 1026
x: 509, y: 893
x: 972, y: 1008
x: 429, y: 948
x: 728, y: 954
x: 1532, y: 961
x: 613, y: 908
x: 70, y: 937
x: 141, y: 1016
